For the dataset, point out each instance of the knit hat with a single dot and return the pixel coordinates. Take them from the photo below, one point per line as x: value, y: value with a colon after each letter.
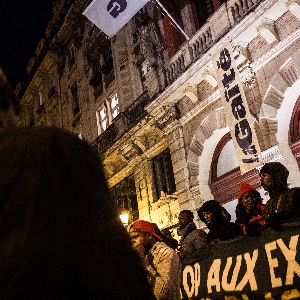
x: 144, y: 226
x: 245, y: 187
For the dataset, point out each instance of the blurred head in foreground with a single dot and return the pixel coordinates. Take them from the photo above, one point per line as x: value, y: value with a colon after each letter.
x: 59, y: 231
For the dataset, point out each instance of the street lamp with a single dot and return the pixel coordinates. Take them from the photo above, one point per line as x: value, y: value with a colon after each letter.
x: 124, y: 216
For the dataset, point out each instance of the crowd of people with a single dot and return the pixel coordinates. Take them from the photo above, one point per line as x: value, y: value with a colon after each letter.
x: 252, y: 216
x: 60, y: 234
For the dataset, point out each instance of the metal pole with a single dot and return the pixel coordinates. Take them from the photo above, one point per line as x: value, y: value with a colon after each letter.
x: 175, y: 23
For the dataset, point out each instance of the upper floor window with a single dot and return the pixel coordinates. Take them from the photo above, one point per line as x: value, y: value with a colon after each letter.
x: 107, y: 112
x: 124, y: 193
x: 102, y: 119
x: 71, y: 55
x: 163, y: 174
x: 114, y: 105
x: 41, y: 98
x: 75, y: 99
x: 145, y: 67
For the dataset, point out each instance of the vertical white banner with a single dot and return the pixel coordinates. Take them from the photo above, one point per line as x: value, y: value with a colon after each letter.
x: 236, y: 106
x: 111, y: 15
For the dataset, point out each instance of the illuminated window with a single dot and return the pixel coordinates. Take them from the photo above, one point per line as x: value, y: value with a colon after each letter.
x: 102, y: 119
x: 114, y: 105
x: 145, y: 67
x: 107, y: 112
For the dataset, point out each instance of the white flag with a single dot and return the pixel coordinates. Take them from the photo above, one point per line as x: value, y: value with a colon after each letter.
x: 111, y: 15
x: 238, y: 115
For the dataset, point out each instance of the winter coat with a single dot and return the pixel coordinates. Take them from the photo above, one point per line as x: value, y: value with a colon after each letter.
x: 59, y: 231
x: 252, y: 222
x: 220, y: 229
x: 164, y: 269
x: 192, y: 239
x: 284, y: 202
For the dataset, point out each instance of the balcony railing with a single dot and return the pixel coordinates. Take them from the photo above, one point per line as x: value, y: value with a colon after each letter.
x: 121, y: 124
x: 104, y: 140
x: 136, y: 111
x: 218, y: 25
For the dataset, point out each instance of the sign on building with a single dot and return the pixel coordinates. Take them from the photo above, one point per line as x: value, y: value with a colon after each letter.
x: 111, y: 15
x: 238, y: 116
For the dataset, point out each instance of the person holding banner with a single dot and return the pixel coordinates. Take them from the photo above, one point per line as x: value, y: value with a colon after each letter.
x: 284, y: 203
x: 220, y: 228
x: 251, y: 216
x: 191, y: 238
x: 160, y: 261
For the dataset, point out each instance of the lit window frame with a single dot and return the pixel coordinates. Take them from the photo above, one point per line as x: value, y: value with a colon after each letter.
x: 116, y: 108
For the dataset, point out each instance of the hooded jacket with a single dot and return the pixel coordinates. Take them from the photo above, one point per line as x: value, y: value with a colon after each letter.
x: 284, y: 202
x: 250, y: 222
x: 220, y: 228
x: 59, y: 231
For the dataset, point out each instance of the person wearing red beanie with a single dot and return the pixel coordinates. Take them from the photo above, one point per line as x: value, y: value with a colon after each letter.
x: 161, y: 262
x: 250, y: 210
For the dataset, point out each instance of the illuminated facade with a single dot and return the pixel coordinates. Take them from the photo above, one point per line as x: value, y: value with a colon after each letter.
x: 150, y: 104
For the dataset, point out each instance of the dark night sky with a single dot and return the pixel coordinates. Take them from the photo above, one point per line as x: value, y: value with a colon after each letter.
x: 22, y: 24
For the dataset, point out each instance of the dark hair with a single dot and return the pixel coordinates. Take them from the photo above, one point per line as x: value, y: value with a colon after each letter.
x: 188, y: 213
x: 59, y: 230
x: 279, y: 174
x: 215, y: 208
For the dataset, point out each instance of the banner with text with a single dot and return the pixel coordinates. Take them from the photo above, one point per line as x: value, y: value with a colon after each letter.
x: 248, y: 268
x: 237, y: 111
x: 111, y: 15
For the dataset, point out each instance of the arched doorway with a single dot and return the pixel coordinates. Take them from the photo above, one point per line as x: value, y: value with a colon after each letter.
x: 294, y: 132
x: 226, y: 177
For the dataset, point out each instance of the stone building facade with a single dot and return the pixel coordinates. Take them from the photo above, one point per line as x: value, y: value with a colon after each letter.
x: 150, y: 104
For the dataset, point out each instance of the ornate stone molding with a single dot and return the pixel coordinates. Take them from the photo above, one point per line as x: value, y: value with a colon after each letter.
x: 248, y: 76
x: 191, y: 92
x: 294, y: 7
x: 268, y: 31
x: 271, y: 154
x: 166, y: 116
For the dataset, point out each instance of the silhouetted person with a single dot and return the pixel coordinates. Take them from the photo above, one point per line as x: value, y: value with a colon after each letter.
x: 220, y: 229
x: 59, y: 231
x: 250, y: 210
x: 284, y: 203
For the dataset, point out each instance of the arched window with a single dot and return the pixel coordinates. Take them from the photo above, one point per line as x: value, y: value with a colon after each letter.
x: 294, y: 132
x: 225, y: 174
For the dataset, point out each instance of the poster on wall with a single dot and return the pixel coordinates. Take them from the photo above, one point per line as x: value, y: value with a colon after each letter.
x: 237, y: 112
